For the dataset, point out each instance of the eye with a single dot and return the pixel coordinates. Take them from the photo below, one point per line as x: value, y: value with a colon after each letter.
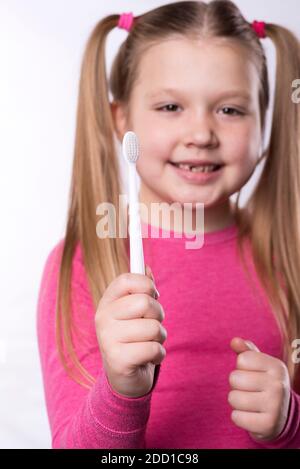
x: 167, y: 106
x: 237, y: 113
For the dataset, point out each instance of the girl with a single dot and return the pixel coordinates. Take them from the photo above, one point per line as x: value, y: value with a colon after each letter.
x: 191, y: 80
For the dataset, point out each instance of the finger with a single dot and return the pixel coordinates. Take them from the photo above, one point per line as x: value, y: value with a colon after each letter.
x: 239, y: 345
x: 126, y: 284
x: 139, y: 330
x: 247, y: 401
x: 142, y: 353
x: 245, y: 380
x: 136, y: 306
x: 149, y: 272
x: 254, y: 361
x: 254, y: 422
x: 251, y: 345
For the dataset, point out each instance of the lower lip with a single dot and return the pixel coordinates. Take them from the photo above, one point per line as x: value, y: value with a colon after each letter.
x: 197, y: 177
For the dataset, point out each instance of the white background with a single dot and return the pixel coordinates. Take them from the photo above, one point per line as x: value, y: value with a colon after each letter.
x: 41, y: 48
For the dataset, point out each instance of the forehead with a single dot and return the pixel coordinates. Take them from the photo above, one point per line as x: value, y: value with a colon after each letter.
x: 199, y: 65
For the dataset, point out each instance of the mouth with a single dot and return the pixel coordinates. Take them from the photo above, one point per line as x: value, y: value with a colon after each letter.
x: 199, y: 168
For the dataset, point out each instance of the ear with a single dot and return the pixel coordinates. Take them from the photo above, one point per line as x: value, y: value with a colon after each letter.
x: 119, y: 117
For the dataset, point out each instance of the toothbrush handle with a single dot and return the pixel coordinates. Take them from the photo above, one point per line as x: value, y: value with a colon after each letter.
x: 137, y: 264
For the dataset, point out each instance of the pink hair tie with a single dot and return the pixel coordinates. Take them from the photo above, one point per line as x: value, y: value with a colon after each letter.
x: 126, y: 21
x: 259, y: 28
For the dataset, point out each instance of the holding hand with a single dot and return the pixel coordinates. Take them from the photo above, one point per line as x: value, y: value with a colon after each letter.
x: 260, y: 392
x: 130, y: 334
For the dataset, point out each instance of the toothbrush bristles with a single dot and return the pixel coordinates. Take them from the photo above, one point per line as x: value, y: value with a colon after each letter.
x: 131, y: 147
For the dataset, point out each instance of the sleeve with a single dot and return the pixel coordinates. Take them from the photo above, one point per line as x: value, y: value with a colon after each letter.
x: 79, y: 417
x: 289, y: 438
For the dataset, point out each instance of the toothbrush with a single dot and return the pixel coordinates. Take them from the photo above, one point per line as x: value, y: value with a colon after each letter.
x: 130, y: 149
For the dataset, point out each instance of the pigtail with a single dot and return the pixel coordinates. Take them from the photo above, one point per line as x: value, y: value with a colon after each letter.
x: 274, y: 204
x: 97, y: 158
x: 95, y: 179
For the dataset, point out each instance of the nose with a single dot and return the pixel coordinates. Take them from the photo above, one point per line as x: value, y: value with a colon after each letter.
x: 201, y: 133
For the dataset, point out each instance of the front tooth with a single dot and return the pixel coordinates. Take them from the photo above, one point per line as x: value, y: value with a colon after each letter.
x: 202, y: 169
x: 184, y: 166
x: 195, y: 169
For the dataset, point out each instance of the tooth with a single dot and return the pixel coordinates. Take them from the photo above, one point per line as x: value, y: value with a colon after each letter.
x: 198, y: 168
x: 203, y: 169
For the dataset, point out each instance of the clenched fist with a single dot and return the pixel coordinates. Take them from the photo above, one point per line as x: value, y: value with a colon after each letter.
x: 130, y: 334
x: 260, y: 392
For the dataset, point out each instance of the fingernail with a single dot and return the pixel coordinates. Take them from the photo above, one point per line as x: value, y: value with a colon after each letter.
x: 157, y: 294
x: 149, y: 271
x: 251, y: 345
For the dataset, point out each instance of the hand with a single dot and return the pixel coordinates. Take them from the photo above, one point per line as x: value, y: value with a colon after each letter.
x: 129, y: 332
x: 260, y: 392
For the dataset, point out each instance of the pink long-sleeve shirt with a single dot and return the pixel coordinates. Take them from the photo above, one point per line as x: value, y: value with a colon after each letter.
x: 207, y: 299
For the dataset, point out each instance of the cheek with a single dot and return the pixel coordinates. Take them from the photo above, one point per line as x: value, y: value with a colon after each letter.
x: 149, y: 164
x: 155, y: 150
x: 156, y: 139
x: 243, y: 147
x: 145, y: 165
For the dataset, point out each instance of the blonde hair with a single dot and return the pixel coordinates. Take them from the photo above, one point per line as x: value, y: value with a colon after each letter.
x: 270, y: 219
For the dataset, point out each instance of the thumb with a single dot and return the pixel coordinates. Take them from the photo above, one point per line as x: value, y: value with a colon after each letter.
x: 239, y: 345
x: 149, y: 272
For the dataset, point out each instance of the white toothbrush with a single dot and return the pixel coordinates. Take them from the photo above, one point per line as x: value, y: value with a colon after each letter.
x: 130, y: 148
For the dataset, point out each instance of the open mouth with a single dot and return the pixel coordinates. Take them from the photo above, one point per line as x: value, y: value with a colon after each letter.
x: 197, y: 168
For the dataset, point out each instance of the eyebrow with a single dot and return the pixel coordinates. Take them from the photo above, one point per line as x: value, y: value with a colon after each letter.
x: 228, y: 94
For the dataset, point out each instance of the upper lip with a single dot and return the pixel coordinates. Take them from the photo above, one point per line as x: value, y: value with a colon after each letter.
x: 197, y: 162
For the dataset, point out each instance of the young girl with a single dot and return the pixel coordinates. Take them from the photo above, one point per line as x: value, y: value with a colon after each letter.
x: 211, y: 362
